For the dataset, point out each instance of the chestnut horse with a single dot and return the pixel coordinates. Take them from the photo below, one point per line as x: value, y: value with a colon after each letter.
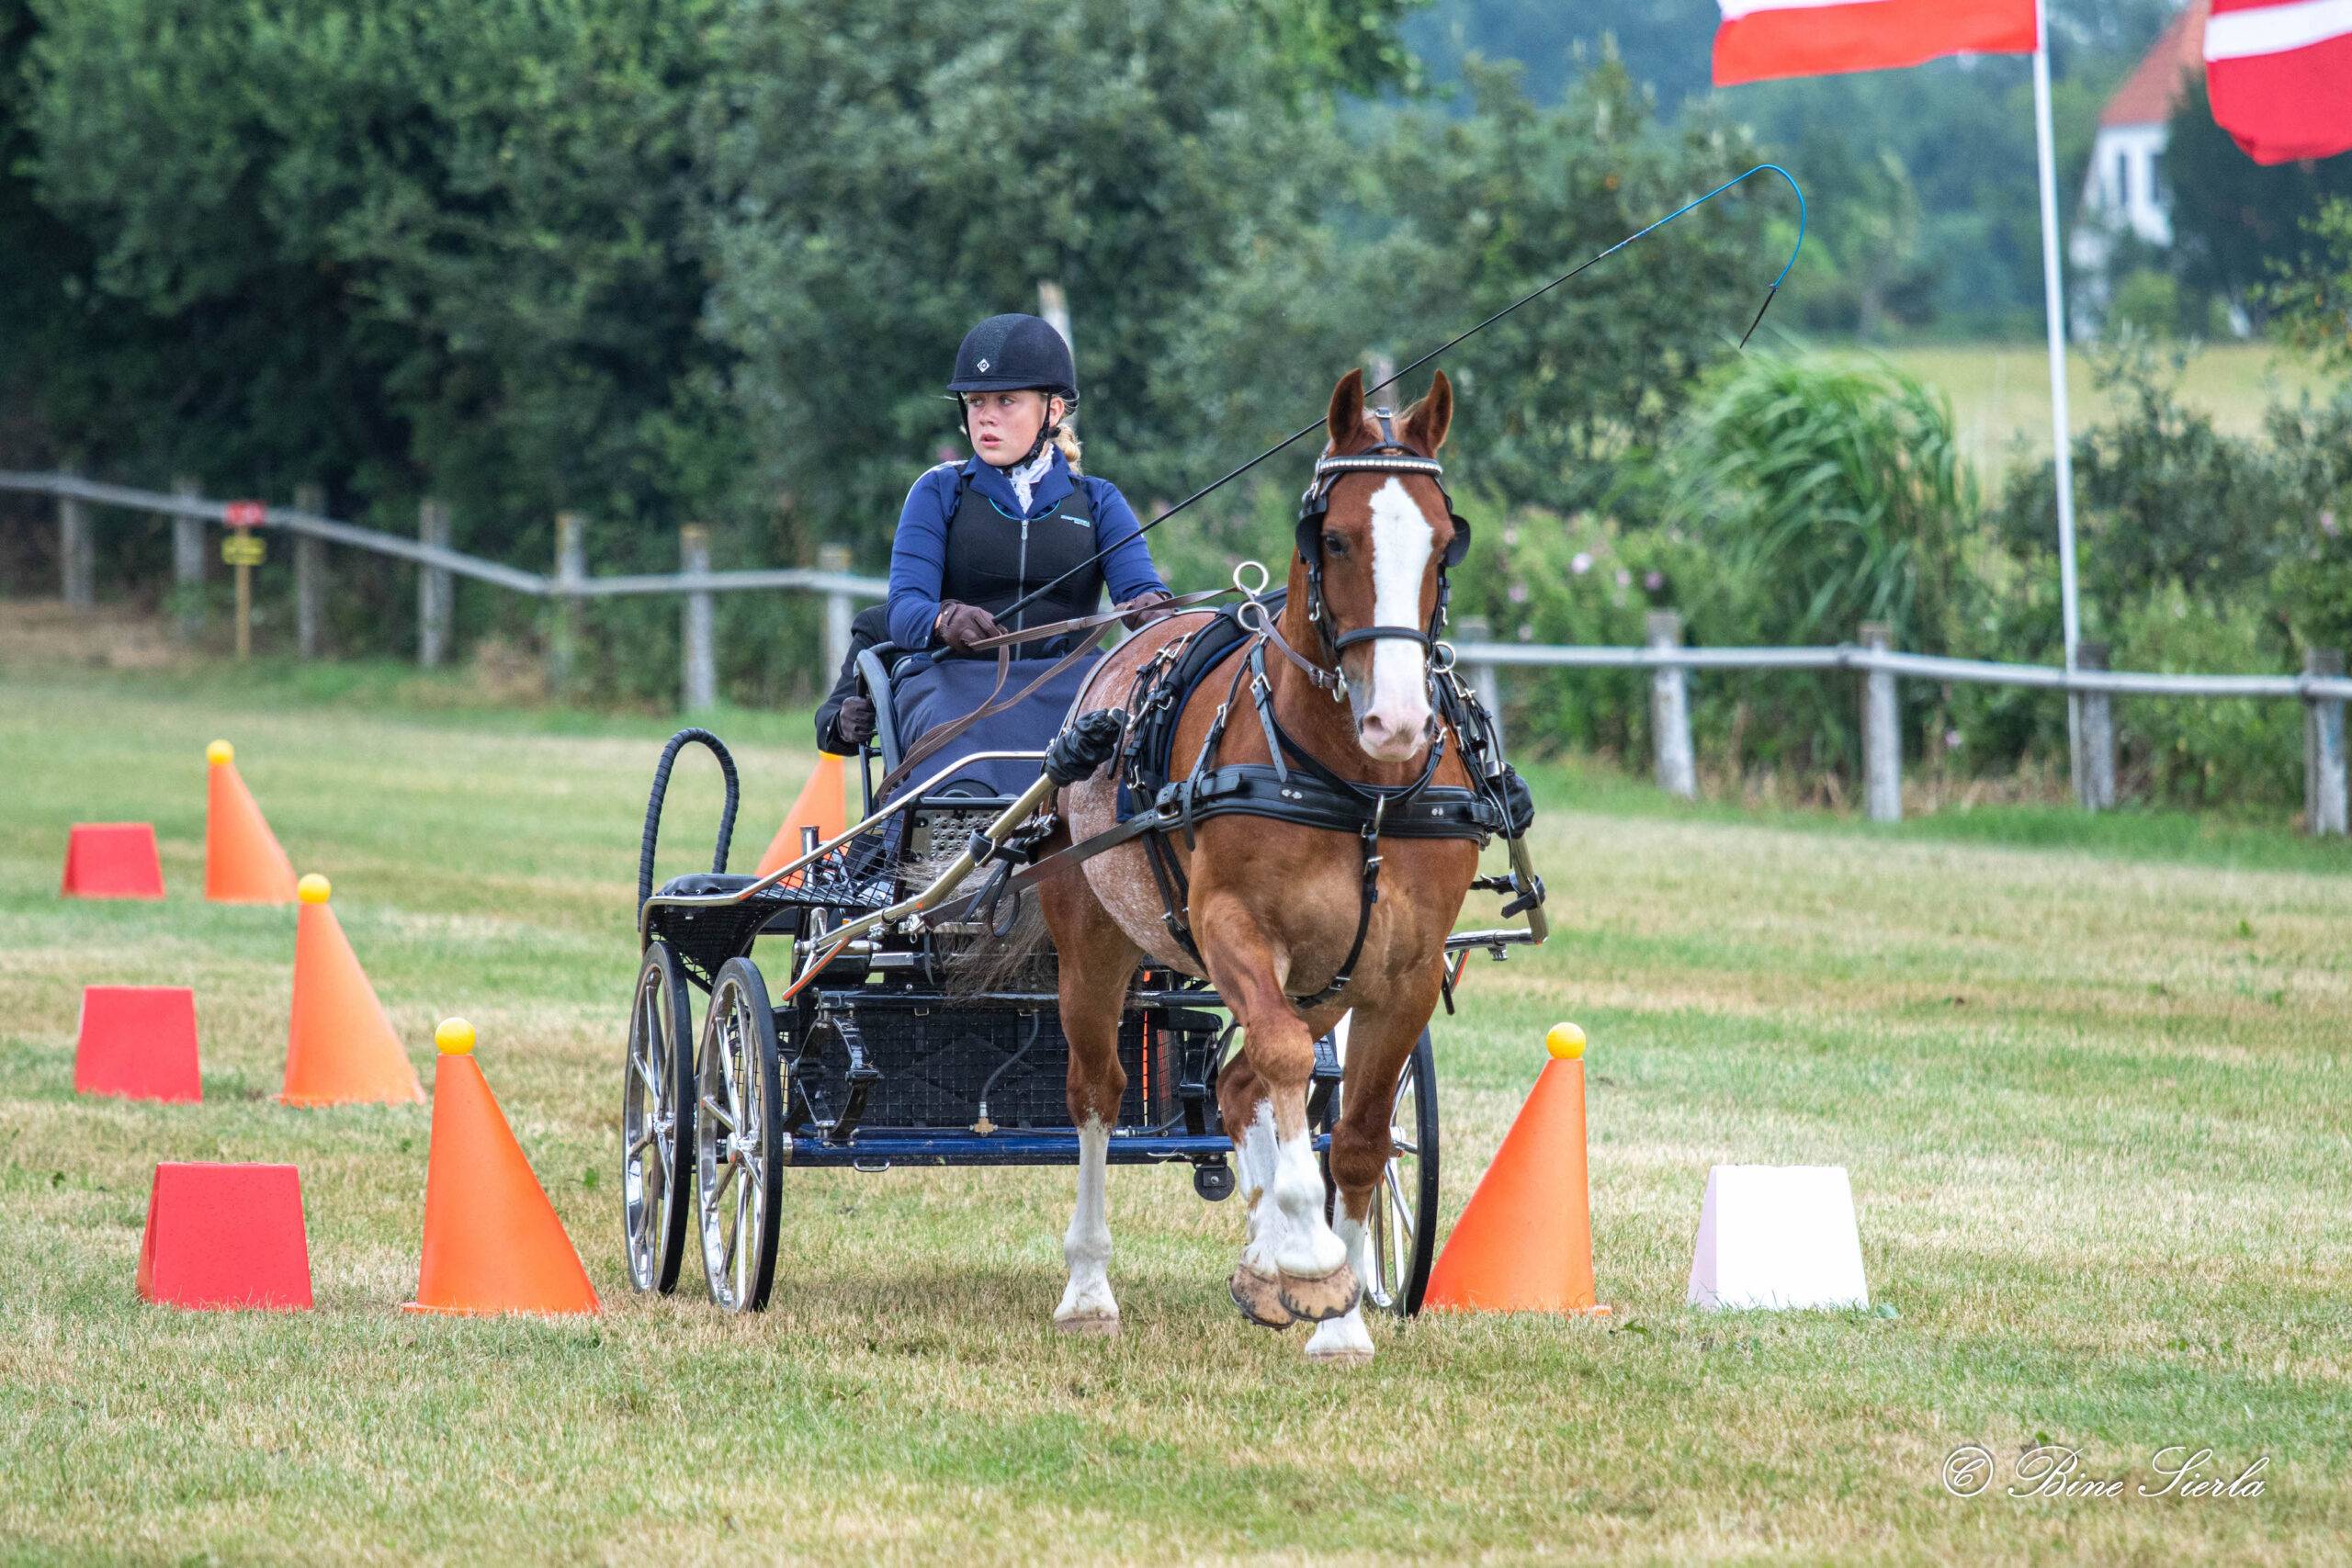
x: 1273, y: 906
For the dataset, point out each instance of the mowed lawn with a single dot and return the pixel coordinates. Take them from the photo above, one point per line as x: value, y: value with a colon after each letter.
x: 2093, y: 1097
x: 2000, y: 392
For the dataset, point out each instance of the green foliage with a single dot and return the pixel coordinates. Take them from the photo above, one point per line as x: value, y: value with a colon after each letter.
x: 1828, y: 496
x: 2162, y: 496
x: 2312, y: 299
x: 868, y: 206
x: 2148, y: 302
x: 445, y: 247
x: 2203, y: 752
x: 2236, y: 221
x: 1835, y: 492
x: 1349, y: 45
x: 1966, y: 253
x: 1493, y: 206
x: 2310, y: 444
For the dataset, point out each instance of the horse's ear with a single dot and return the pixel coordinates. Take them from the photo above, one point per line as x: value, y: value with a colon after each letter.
x: 1427, y: 421
x: 1346, y: 418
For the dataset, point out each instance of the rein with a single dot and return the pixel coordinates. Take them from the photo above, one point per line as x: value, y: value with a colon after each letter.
x: 1003, y: 644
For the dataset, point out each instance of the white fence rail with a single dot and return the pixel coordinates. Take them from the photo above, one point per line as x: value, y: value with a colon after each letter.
x: 2323, y: 687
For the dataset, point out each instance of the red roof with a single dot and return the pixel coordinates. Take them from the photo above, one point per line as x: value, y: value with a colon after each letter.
x: 2148, y: 94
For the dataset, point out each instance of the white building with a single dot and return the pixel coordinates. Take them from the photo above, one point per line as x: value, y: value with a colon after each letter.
x: 2123, y: 192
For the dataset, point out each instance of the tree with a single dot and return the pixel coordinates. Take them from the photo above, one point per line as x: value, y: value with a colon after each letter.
x: 2234, y: 221
x: 449, y: 246
x: 2312, y: 299
x: 871, y: 201
x: 1484, y: 208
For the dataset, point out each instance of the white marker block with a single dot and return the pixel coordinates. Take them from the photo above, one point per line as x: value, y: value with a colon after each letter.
x: 1778, y: 1236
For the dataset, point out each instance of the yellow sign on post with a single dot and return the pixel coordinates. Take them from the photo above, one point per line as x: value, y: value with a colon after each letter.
x: 242, y: 548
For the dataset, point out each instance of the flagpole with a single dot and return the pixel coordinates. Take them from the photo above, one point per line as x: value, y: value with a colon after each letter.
x: 2054, y: 318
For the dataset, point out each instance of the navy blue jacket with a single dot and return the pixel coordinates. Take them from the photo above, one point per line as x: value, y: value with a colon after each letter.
x: 918, y: 551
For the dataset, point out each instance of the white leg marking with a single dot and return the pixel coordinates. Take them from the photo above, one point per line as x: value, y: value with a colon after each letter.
x: 1398, y: 710
x: 1346, y: 1340
x: 1086, y: 1304
x: 1255, y: 1157
x: 1301, y: 1244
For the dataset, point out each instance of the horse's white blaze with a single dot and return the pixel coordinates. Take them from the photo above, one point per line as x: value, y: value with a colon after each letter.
x: 1392, y: 721
x: 1087, y: 1247
x: 1346, y: 1337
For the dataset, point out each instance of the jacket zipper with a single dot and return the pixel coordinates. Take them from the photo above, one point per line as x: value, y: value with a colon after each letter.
x: 1020, y: 620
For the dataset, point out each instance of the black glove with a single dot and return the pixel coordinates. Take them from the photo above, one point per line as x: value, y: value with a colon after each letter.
x: 1144, y: 608
x: 959, y: 625
x: 853, y: 721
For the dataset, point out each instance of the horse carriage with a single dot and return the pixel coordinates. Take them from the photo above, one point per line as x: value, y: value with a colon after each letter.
x: 884, y: 999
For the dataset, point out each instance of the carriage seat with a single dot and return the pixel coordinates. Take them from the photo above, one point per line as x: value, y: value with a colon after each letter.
x: 705, y: 884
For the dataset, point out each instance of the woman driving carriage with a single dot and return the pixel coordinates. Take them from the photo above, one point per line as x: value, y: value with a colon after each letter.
x: 976, y: 537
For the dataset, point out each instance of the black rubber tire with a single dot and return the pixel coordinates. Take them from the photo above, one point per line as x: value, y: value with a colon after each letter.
x: 658, y: 1083
x: 740, y: 1032
x: 1416, y: 1184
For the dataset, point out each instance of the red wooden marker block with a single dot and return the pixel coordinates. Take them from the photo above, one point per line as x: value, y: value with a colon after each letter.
x: 113, y: 860
x: 224, y: 1236
x: 138, y: 1042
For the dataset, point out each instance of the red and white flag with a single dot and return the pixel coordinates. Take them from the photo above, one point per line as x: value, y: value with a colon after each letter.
x: 2280, y: 76
x: 1762, y: 40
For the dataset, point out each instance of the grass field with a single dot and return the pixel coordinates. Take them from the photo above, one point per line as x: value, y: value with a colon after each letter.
x: 2000, y: 392
x: 2092, y: 1087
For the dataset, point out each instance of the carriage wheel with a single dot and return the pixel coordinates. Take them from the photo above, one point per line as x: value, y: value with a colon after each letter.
x: 1403, y: 1220
x: 657, y: 1122
x: 738, y: 1138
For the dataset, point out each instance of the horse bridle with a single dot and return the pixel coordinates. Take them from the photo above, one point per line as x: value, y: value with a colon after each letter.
x: 1387, y: 456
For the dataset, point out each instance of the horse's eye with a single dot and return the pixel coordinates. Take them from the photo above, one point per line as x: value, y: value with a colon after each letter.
x: 1334, y: 546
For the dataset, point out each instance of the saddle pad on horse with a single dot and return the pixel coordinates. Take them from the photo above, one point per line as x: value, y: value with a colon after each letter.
x: 947, y: 689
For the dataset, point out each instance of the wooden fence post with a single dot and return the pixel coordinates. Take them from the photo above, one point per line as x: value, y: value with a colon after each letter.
x: 76, y: 550
x: 436, y: 588
x: 1882, y: 733
x: 701, y: 659
x: 1485, y: 679
x: 1677, y: 772
x: 839, y: 610
x: 571, y: 566
x: 2326, y: 811
x: 2095, y: 787
x: 310, y: 574
x: 188, y: 565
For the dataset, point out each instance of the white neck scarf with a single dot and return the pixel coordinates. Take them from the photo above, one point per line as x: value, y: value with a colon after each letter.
x: 1025, y: 479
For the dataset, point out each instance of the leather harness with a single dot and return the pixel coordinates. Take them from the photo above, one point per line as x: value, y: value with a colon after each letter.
x: 1294, y: 786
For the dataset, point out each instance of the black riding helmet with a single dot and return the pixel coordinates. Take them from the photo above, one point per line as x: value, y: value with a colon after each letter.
x: 1016, y: 354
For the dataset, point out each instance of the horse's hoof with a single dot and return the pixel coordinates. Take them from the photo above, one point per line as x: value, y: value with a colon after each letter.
x: 1260, y: 1297
x: 1340, y: 1342
x: 1324, y: 1296
x: 1090, y: 1325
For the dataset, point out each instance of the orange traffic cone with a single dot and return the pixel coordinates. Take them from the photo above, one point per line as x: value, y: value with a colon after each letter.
x: 341, y: 1049
x: 1525, y: 1242
x: 823, y: 805
x: 243, y: 861
x: 492, y: 1243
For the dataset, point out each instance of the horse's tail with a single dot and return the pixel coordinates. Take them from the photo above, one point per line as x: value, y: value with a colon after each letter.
x: 1006, y: 956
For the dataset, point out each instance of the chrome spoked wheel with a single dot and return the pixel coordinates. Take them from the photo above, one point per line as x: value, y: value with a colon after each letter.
x: 657, y: 1122
x: 738, y: 1134
x: 1404, y: 1201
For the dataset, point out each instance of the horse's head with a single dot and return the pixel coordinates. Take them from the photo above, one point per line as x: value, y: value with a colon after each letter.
x: 1376, y: 534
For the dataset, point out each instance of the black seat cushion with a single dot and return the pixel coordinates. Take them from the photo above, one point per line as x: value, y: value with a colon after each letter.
x: 703, y: 883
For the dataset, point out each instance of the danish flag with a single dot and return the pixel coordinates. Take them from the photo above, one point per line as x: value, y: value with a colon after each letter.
x: 1762, y: 40
x: 2280, y: 76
